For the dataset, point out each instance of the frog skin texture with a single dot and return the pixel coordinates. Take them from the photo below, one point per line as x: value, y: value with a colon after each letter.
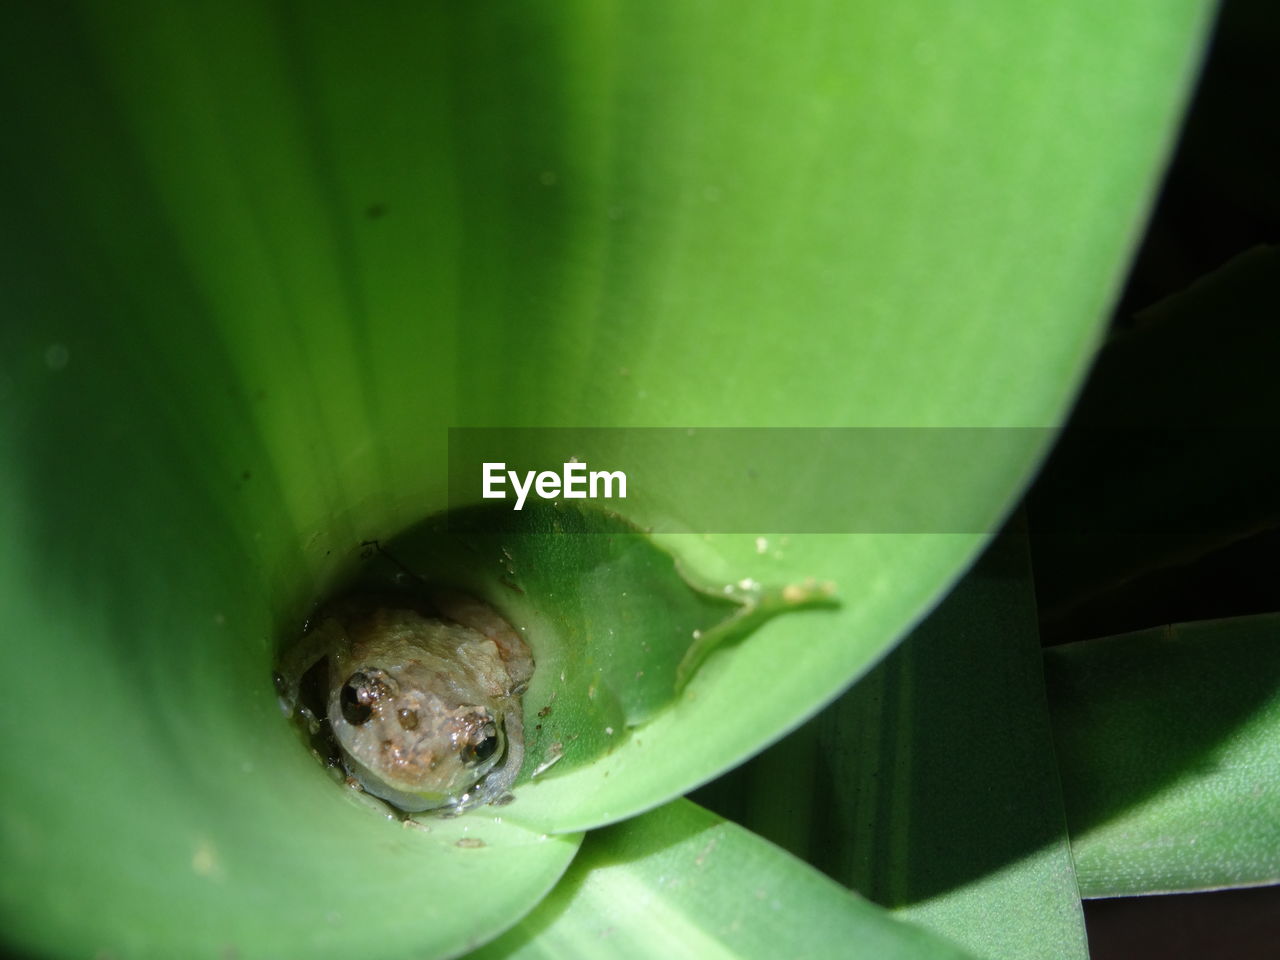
x: 424, y: 699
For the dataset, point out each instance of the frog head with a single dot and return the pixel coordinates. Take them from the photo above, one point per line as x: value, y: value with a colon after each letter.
x: 411, y: 734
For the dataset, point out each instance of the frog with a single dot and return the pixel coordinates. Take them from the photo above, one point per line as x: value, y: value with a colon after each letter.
x: 422, y: 696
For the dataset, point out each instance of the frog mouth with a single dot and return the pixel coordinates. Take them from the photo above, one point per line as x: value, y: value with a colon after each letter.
x: 405, y: 796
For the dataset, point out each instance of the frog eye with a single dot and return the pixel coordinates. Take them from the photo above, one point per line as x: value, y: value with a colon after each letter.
x: 484, y: 747
x: 355, y: 698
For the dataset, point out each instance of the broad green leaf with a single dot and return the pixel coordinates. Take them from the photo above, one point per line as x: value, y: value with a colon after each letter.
x: 1169, y: 743
x: 931, y: 787
x: 681, y: 882
x: 258, y: 257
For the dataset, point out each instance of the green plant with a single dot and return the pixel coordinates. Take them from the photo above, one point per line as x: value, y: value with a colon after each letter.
x: 259, y: 256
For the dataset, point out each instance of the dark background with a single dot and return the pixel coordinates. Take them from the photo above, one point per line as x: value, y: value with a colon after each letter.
x: 1220, y: 198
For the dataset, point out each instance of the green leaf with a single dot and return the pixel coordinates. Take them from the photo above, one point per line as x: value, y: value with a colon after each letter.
x: 681, y: 882
x: 259, y: 256
x: 930, y: 787
x: 1169, y: 742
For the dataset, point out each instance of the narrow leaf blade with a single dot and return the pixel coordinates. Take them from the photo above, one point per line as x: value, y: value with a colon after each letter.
x: 1169, y: 742
x: 680, y: 882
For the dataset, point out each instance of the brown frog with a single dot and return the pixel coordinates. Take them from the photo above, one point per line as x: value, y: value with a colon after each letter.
x: 423, y: 700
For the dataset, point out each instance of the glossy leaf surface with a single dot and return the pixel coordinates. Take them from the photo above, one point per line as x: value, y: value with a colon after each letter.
x: 258, y: 257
